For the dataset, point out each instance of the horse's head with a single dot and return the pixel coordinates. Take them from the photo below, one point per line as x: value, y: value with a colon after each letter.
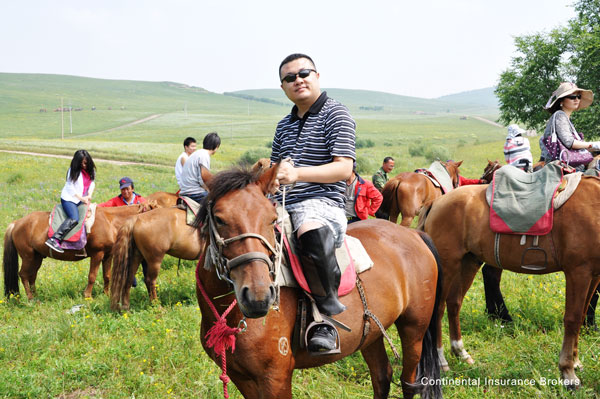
x: 488, y: 171
x: 148, y: 206
x: 452, y: 168
x: 238, y: 221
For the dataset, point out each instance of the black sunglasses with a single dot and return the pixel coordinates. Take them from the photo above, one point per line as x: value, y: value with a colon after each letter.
x: 574, y: 96
x: 303, y: 73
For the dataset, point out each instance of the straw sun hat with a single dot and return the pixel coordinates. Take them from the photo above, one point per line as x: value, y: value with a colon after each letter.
x: 566, y: 89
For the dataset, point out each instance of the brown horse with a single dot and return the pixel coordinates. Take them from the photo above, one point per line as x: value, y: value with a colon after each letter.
x: 407, y: 192
x: 25, y: 237
x: 400, y: 289
x: 494, y: 301
x: 150, y: 236
x: 459, y: 226
x: 163, y: 199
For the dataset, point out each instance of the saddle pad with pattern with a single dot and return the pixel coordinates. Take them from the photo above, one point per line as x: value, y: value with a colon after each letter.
x: 58, y: 215
x: 521, y: 203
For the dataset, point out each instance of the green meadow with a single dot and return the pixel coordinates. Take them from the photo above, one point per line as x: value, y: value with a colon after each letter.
x: 154, y: 351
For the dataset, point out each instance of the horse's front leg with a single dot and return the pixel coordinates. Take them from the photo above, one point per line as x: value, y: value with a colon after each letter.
x: 95, y: 260
x: 578, y: 284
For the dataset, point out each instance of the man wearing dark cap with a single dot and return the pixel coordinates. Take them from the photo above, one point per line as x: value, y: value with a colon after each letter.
x: 127, y: 196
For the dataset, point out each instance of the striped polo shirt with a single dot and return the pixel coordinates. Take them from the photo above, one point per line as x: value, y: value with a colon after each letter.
x: 325, y: 131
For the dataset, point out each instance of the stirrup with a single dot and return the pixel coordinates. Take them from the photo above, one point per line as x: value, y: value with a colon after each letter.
x: 308, y: 332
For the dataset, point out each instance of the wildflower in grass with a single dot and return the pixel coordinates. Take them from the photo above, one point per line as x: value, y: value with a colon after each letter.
x: 125, y: 316
x: 141, y: 373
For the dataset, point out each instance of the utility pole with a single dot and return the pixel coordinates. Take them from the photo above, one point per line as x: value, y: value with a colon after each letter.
x: 71, y: 116
x: 62, y: 120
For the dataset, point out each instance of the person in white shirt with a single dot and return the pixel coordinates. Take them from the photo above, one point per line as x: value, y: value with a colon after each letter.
x: 78, y: 188
x: 189, y: 146
x: 198, y: 164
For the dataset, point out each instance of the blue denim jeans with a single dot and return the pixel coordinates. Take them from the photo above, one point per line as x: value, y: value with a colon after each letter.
x: 70, y: 209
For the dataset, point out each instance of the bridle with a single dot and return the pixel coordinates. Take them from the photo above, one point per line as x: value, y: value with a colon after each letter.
x: 224, y: 266
x: 492, y: 169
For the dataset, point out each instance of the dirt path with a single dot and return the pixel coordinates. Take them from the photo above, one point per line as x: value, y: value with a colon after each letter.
x: 479, y: 118
x: 146, y: 119
x: 38, y: 154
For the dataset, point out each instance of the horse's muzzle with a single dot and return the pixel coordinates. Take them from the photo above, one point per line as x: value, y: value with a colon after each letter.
x: 255, y: 303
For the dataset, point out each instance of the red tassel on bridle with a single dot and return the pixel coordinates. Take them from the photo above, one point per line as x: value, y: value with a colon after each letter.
x: 220, y: 336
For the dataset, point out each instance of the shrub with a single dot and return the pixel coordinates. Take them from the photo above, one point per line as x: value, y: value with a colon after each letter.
x: 416, y: 150
x: 368, y: 143
x: 437, y: 152
x: 15, y: 179
x: 251, y: 156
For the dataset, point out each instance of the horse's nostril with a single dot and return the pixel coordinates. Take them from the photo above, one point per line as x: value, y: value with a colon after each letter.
x: 273, y: 290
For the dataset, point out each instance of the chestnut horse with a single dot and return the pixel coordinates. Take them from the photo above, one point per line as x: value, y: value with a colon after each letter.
x: 149, y: 236
x: 459, y: 224
x: 407, y: 192
x: 25, y: 237
x: 400, y: 289
x: 494, y: 301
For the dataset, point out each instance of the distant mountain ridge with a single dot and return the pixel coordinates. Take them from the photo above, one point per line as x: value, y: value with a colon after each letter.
x: 481, y: 101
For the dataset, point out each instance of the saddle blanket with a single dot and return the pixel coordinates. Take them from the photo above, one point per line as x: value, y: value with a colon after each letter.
x: 520, y: 202
x: 58, y: 215
x: 191, y: 208
x: 439, y: 176
x: 352, y: 259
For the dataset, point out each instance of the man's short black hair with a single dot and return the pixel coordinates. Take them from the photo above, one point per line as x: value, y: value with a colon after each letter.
x: 188, y: 141
x: 293, y: 57
x: 387, y: 159
x: 211, y: 141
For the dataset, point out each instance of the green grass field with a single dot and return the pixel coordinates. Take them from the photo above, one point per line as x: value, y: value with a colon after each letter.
x: 154, y: 351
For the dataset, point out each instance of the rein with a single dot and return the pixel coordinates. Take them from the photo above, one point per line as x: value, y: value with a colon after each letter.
x: 220, y: 335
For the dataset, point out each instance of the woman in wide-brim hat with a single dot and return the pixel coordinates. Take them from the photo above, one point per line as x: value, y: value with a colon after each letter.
x: 565, y: 100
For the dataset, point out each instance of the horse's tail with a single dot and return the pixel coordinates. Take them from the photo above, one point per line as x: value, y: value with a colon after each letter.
x: 10, y: 263
x: 122, y: 255
x: 425, y: 209
x: 390, y: 196
x: 429, y: 365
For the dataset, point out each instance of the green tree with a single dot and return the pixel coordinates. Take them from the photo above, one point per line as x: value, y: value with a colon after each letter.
x: 565, y: 54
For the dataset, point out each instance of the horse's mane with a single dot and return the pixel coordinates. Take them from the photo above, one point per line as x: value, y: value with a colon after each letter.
x: 221, y: 184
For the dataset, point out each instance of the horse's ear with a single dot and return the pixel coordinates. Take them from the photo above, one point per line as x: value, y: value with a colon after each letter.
x: 261, y: 165
x: 267, y: 181
x: 459, y: 163
x: 206, y: 175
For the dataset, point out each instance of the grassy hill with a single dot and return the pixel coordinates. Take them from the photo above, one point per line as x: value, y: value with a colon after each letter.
x: 387, y: 124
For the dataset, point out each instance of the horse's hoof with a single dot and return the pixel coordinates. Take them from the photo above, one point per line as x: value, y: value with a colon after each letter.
x: 469, y: 360
x: 445, y: 368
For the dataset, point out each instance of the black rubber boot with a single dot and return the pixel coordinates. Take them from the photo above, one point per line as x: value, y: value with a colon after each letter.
x: 321, y: 269
x: 494, y: 302
x: 590, y: 317
x: 54, y: 241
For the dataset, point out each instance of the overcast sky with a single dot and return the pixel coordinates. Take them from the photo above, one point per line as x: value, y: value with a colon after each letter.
x: 425, y: 48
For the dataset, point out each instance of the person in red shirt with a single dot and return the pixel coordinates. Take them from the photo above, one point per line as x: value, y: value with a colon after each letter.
x: 127, y: 196
x: 362, y: 198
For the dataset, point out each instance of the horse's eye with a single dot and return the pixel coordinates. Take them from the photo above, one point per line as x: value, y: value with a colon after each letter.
x: 219, y: 221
